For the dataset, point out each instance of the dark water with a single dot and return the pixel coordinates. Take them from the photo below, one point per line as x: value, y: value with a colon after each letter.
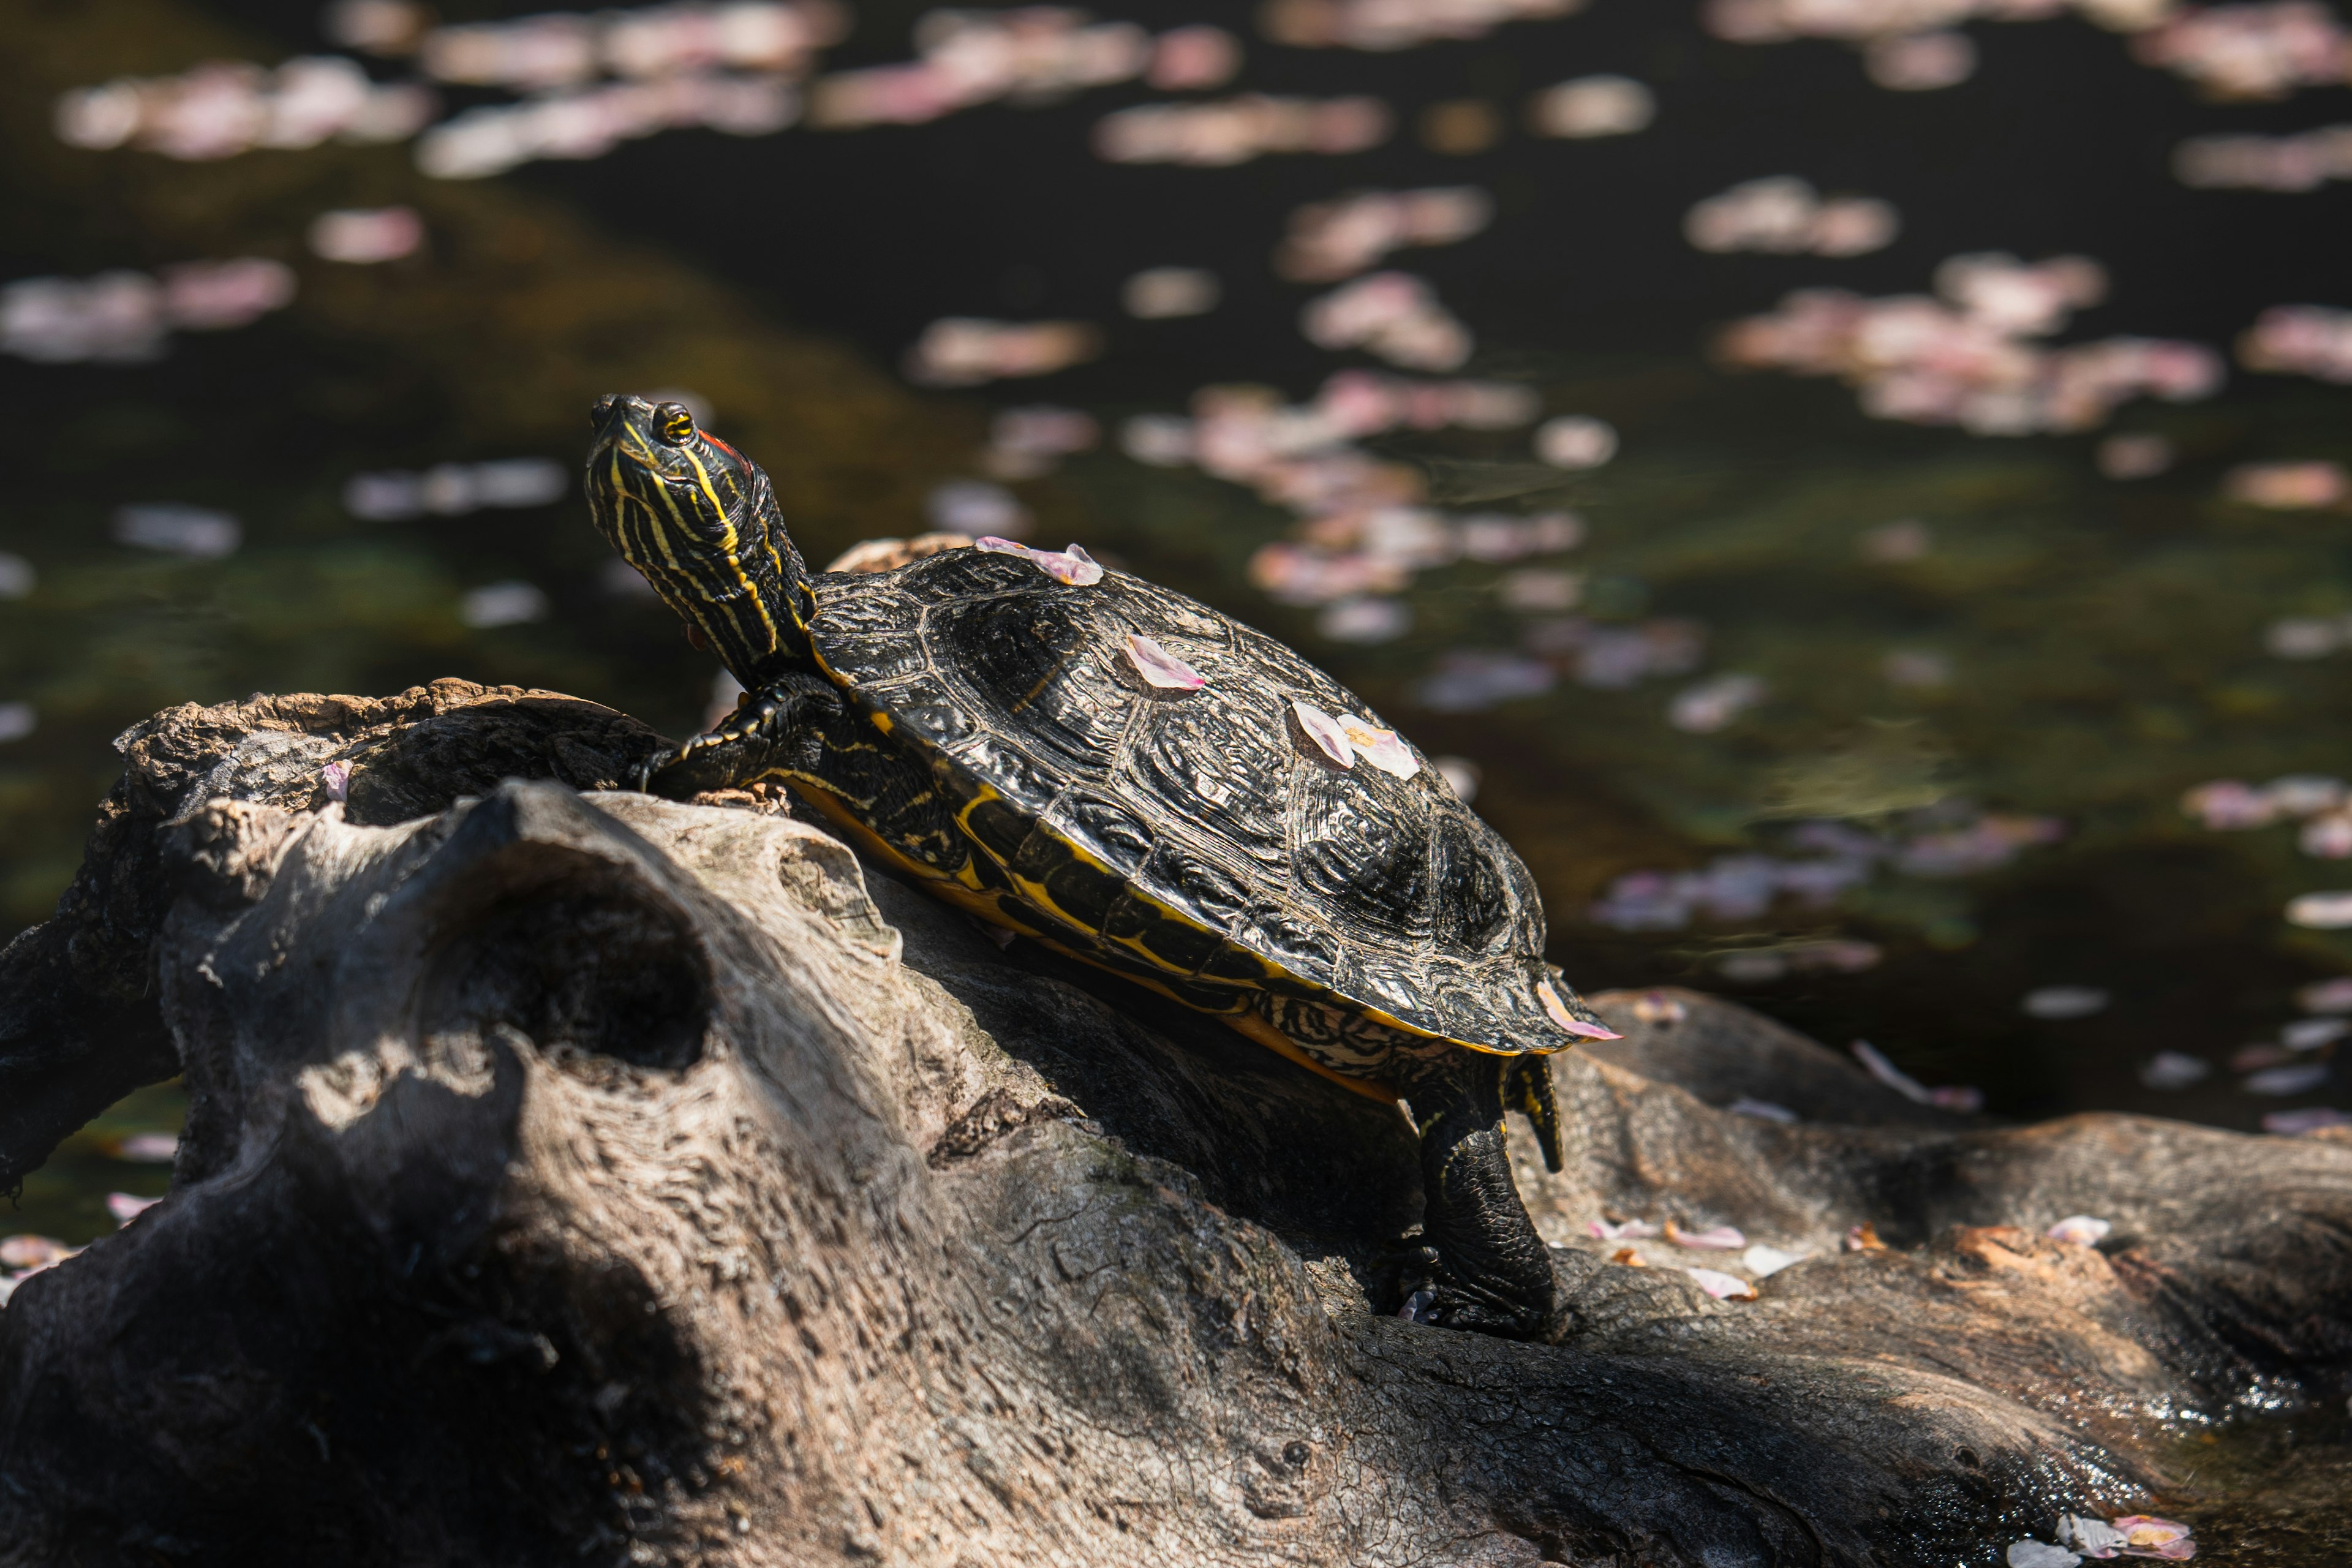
x: 2271, y: 1489
x: 2096, y: 646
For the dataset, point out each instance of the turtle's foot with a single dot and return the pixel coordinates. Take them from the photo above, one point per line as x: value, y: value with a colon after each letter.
x: 771, y: 731
x: 1478, y: 1257
x: 1431, y: 1293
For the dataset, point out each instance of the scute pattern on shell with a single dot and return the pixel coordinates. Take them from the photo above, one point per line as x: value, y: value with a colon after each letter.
x: 1359, y: 888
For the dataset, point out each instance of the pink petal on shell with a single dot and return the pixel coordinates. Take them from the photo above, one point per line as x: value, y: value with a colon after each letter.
x: 1162, y: 668
x: 1719, y: 1238
x: 337, y: 777
x: 2081, y: 1229
x: 1325, y: 731
x: 1632, y: 1230
x: 1721, y: 1286
x: 1570, y: 1021
x: 1384, y: 748
x: 1073, y: 565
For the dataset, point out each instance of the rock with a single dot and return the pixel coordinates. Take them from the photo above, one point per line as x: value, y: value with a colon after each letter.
x: 576, y: 1176
x: 887, y: 554
x: 78, y: 1026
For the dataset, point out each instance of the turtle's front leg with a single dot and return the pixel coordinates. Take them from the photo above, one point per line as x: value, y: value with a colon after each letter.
x: 774, y: 730
x: 1480, y: 1264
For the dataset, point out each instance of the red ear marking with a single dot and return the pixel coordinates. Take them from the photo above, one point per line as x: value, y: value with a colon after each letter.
x: 722, y: 446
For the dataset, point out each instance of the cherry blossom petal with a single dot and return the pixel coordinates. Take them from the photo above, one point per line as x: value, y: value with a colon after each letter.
x: 2091, y: 1537
x: 1718, y: 1239
x: 1766, y: 1261
x: 2081, y: 1229
x: 1162, y: 668
x: 2039, y: 1554
x: 1569, y: 1021
x: 2145, y: 1534
x: 1384, y: 748
x: 1864, y: 1238
x: 125, y: 1208
x: 1630, y: 1230
x: 1325, y: 731
x: 1073, y: 565
x: 28, y: 1251
x: 145, y: 1148
x: 1721, y: 1286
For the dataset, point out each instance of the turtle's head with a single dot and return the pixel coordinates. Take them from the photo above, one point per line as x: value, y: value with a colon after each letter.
x: 700, y: 520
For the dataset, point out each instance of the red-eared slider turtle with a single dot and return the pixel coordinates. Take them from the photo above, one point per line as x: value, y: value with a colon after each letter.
x: 1145, y: 784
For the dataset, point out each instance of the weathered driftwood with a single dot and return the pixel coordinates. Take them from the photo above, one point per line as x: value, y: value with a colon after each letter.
x: 578, y: 1178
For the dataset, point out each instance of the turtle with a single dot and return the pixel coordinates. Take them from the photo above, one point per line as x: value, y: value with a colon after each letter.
x: 1145, y: 784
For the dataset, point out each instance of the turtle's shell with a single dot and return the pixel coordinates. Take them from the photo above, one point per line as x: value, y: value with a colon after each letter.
x: 1197, y: 839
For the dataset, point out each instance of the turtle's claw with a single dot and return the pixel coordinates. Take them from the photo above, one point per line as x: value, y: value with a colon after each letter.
x: 1431, y: 1293
x: 768, y: 733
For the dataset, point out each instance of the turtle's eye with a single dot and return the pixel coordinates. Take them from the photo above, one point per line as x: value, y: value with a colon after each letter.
x: 672, y: 424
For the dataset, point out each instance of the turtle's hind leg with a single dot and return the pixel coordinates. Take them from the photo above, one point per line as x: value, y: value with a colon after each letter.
x: 1480, y: 1263
x: 772, y: 731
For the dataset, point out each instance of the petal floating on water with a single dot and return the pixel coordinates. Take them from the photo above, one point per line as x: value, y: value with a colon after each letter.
x: 2300, y: 1079
x: 146, y: 1148
x: 1384, y: 748
x: 2312, y: 1119
x: 2081, y: 1229
x: 2092, y: 1537
x: 2064, y: 1001
x: 1162, y: 668
x: 1716, y: 1239
x: 2174, y: 1069
x: 2039, y: 1554
x: 125, y: 1207
x: 1325, y: 731
x: 30, y: 1251
x: 2147, y: 1536
x: 2310, y: 1034
x: 1721, y: 1286
x: 2321, y: 912
x: 1886, y: 1072
x: 2327, y: 995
